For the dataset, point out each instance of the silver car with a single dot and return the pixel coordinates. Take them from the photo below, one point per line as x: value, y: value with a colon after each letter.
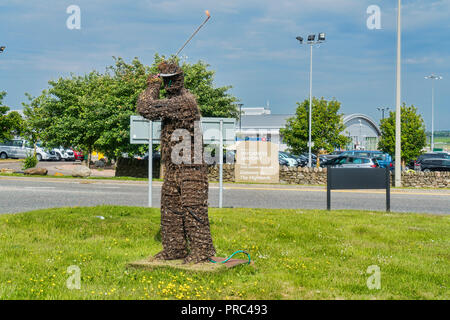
x: 352, y: 162
x: 20, y: 149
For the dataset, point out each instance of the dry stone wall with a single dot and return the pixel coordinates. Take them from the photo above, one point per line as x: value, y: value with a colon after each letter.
x: 289, y: 175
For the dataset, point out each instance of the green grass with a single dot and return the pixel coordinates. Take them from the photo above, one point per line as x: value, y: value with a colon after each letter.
x: 298, y: 254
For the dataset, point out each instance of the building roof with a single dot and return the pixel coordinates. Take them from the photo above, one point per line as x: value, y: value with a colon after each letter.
x: 348, y: 118
x: 264, y: 121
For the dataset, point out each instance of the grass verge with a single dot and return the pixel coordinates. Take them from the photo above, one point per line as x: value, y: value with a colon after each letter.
x: 298, y: 254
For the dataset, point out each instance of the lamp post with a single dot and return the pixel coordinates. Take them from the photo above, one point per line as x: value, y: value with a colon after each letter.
x: 240, y: 116
x: 2, y: 48
x: 432, y: 77
x: 311, y: 41
x: 398, y: 146
x: 382, y: 109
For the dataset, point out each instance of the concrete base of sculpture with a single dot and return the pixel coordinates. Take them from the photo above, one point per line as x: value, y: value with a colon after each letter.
x: 151, y: 264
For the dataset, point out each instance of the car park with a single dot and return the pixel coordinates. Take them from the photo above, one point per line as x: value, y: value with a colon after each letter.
x: 64, y: 154
x: 384, y: 160
x: 415, y: 164
x: 333, y: 154
x: 20, y: 149
x: 292, y: 162
x: 351, y: 162
x: 434, y: 164
x: 78, y: 155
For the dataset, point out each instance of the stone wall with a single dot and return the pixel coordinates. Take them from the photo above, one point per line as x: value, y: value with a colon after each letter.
x: 228, y: 173
x: 419, y: 179
x: 131, y: 167
x: 308, y: 176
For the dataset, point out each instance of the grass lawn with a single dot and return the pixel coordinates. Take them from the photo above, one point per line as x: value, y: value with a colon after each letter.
x: 298, y: 254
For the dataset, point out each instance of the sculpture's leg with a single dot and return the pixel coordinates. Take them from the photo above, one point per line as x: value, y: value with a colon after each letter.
x: 172, y: 221
x: 199, y: 235
x: 194, y: 198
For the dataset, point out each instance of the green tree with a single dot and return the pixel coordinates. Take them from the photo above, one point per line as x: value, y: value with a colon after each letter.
x: 327, y: 125
x: 93, y: 111
x: 10, y: 123
x: 413, y: 137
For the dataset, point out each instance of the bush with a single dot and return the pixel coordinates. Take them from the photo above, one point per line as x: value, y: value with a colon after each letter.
x: 30, y: 162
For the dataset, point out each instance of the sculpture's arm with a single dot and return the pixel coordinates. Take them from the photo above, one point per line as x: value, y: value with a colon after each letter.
x: 152, y: 108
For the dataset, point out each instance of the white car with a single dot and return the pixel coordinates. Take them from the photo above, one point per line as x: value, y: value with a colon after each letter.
x: 64, y: 154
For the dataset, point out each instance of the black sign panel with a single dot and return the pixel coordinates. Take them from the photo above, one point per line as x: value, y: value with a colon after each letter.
x: 358, y: 178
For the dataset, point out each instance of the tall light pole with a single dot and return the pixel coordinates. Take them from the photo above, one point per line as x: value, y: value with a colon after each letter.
x: 382, y: 109
x: 432, y: 77
x: 398, y: 134
x: 240, y: 116
x: 2, y: 48
x: 311, y: 41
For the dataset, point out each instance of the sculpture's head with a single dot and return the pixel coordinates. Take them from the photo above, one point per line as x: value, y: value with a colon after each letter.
x: 172, y: 76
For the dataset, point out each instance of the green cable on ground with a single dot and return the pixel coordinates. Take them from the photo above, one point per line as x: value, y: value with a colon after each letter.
x: 236, y: 252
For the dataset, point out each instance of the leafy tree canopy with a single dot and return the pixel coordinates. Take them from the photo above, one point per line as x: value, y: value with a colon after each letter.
x: 93, y: 111
x: 10, y: 122
x: 327, y: 125
x: 413, y: 138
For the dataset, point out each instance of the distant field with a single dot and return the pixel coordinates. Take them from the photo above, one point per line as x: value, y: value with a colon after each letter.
x: 441, y: 142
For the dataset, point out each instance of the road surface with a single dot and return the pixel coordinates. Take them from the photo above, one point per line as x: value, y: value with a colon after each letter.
x: 19, y: 194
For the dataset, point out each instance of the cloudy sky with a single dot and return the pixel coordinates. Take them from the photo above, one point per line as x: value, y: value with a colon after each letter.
x: 249, y: 43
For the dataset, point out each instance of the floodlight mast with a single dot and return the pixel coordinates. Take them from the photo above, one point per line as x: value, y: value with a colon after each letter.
x: 311, y: 41
x: 432, y: 77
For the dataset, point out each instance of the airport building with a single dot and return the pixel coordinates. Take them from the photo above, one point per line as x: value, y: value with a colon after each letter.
x: 259, y: 124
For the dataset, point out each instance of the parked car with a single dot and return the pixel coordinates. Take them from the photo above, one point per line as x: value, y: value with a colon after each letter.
x: 78, y: 155
x: 290, y: 160
x: 20, y: 149
x: 415, y: 164
x: 313, y: 159
x: 351, y: 162
x: 302, y: 161
x: 64, y: 154
x: 384, y: 159
x: 333, y: 154
x: 283, y: 162
x: 13, y: 149
x: 434, y: 164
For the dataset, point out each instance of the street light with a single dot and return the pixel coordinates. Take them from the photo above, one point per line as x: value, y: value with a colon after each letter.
x: 398, y: 145
x: 240, y: 116
x: 382, y: 109
x: 311, y: 41
x: 432, y: 77
x: 2, y: 48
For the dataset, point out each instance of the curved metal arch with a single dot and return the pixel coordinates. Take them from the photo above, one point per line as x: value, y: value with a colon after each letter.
x: 362, y: 116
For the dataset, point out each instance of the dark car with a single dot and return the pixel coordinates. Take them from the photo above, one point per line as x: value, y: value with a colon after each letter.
x: 434, y: 164
x: 283, y: 162
x: 334, y: 154
x: 351, y: 162
x: 415, y: 164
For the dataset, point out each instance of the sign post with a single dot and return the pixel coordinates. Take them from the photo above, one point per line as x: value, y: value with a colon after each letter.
x: 220, y: 163
x: 359, y: 178
x: 143, y: 131
x: 150, y: 163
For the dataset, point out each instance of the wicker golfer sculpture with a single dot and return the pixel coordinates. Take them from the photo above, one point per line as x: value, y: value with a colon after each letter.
x: 185, y: 230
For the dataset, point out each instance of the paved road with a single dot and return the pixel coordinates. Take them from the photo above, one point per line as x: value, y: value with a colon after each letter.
x: 24, y: 194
